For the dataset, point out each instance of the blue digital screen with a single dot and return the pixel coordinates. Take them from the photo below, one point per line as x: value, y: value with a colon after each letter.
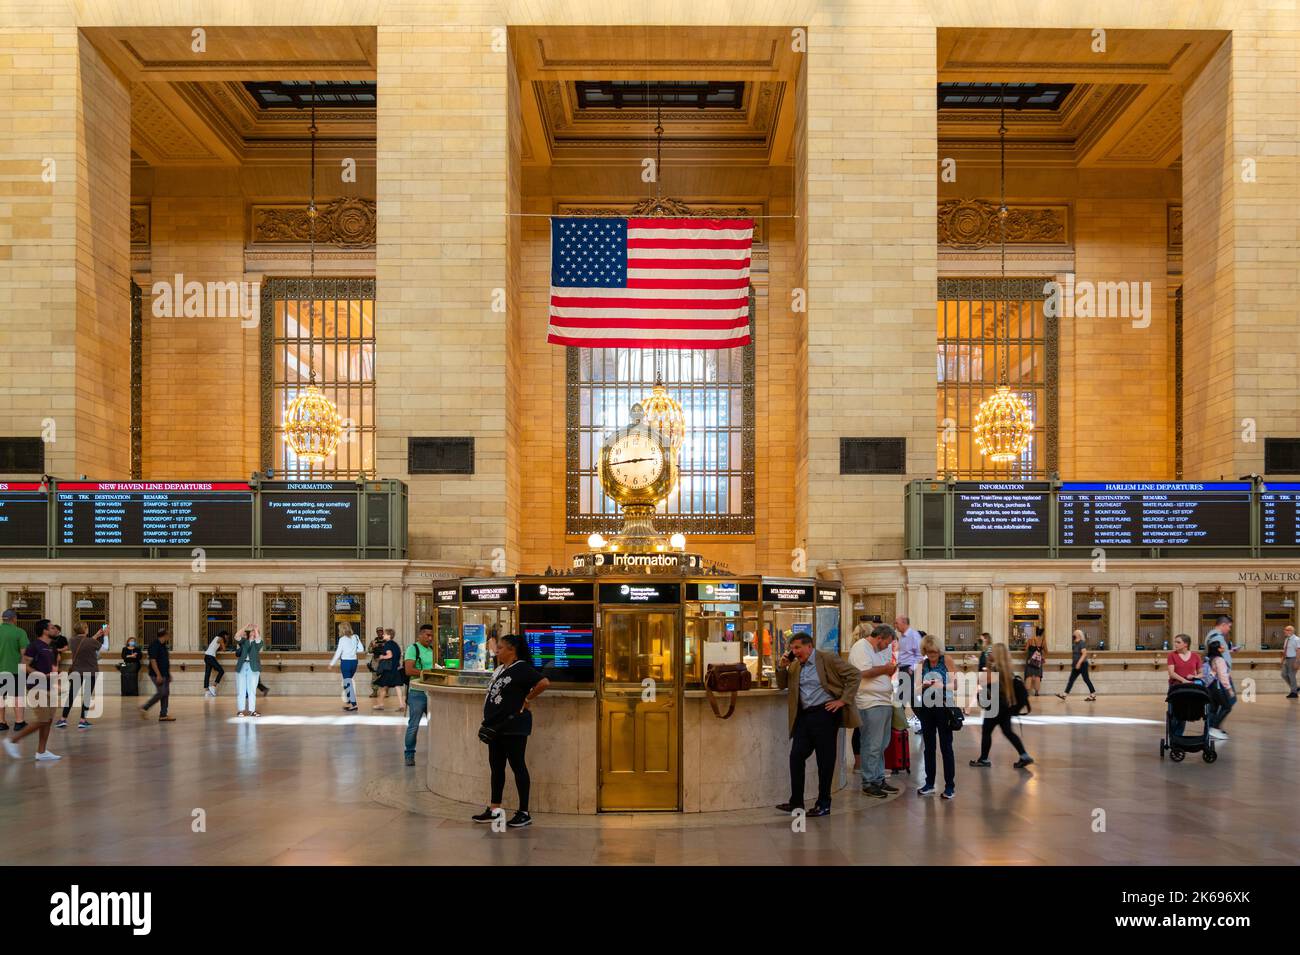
x: 566, y: 650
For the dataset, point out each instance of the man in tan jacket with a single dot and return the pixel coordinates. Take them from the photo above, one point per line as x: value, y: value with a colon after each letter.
x: 821, y: 689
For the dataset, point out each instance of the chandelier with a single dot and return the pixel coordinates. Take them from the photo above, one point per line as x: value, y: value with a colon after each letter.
x: 664, y: 413
x: 312, y: 426
x: 1004, y: 424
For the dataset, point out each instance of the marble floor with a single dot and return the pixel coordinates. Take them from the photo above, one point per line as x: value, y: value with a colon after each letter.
x: 303, y: 787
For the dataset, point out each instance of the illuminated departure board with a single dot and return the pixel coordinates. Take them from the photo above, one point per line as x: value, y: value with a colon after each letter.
x: 1279, y: 506
x: 1177, y: 514
x: 1001, y: 514
x: 134, y: 514
x: 24, y: 515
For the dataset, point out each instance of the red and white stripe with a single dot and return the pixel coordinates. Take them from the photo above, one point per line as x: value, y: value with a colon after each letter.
x: 688, y: 287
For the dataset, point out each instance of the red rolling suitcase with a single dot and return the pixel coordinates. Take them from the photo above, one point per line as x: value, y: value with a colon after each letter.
x: 898, y: 754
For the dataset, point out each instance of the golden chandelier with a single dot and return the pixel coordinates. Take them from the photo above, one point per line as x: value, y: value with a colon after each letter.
x: 663, y: 413
x: 312, y: 426
x: 1004, y: 424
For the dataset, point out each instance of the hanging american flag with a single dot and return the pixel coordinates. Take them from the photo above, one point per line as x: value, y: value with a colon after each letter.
x: 650, y: 283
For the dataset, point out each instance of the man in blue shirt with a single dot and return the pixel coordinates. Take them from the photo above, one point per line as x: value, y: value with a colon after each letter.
x: 1219, y: 634
x: 909, y: 657
x: 821, y: 698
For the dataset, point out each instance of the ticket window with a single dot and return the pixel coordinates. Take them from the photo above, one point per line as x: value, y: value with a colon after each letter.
x: 828, y: 621
x: 963, y: 614
x: 217, y: 612
x: 346, y: 613
x: 480, y: 628
x: 29, y: 607
x: 870, y: 609
x: 1027, y: 616
x: 1153, y: 622
x: 719, y: 632
x: 1091, y: 615
x: 1212, y: 604
x: 282, y: 621
x: 1278, y: 614
x: 780, y: 623
x: 91, y: 608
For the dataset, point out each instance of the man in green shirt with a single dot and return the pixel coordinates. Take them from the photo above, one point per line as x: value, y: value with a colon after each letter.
x: 418, y: 656
x: 12, y: 643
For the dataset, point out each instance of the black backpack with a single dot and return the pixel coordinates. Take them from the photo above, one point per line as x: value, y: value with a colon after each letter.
x: 1021, y: 695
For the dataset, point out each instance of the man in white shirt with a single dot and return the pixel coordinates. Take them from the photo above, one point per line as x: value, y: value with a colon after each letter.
x: 211, y: 664
x: 1290, y: 660
x: 873, y: 658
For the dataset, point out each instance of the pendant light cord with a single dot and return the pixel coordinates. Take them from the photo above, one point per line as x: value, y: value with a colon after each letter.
x: 311, y: 217
x: 1005, y: 376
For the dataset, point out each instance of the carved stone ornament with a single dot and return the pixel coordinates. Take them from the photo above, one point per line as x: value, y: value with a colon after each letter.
x: 346, y: 222
x: 973, y: 224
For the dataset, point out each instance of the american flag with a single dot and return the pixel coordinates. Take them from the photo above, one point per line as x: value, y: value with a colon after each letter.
x: 650, y: 283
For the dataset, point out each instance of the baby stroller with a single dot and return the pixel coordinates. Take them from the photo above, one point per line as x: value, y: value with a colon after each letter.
x: 1188, y: 702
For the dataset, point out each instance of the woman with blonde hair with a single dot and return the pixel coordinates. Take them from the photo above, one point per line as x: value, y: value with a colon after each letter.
x: 999, y: 705
x: 935, y: 708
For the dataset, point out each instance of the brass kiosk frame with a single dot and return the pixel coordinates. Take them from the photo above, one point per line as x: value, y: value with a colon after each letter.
x: 639, y: 688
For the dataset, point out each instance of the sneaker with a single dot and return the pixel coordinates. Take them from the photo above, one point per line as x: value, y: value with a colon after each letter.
x: 1218, y: 734
x: 83, y: 725
x: 1289, y: 696
x: 20, y: 725
x: 47, y: 757
x: 816, y: 812
x: 888, y: 788
x: 874, y: 790
x: 485, y: 816
x: 980, y: 762
x: 60, y: 724
x: 12, y: 749
x: 4, y: 727
x: 1022, y: 762
x: 949, y: 793
x: 208, y: 691
x: 1060, y: 696
x: 926, y: 790
x: 519, y: 820
x: 410, y: 761
x: 788, y: 807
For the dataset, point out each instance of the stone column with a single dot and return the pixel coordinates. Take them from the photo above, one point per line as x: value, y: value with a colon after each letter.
x: 1240, y: 255
x: 65, y: 174
x: 871, y: 261
x: 444, y: 353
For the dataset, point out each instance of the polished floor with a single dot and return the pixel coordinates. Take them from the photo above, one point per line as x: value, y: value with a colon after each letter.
x: 306, y: 787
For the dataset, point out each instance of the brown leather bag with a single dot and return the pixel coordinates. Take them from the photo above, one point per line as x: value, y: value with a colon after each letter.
x: 726, y: 678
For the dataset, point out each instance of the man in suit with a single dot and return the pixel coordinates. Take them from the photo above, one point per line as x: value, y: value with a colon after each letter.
x: 821, y: 690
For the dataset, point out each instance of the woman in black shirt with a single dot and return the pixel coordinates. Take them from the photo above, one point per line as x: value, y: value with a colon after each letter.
x: 507, y: 720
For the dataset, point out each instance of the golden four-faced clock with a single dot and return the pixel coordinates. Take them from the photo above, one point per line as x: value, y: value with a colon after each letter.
x: 637, y: 466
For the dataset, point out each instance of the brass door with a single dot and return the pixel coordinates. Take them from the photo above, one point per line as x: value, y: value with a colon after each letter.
x: 640, y: 707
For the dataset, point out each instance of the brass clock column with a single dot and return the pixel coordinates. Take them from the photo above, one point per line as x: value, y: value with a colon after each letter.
x: 638, y: 469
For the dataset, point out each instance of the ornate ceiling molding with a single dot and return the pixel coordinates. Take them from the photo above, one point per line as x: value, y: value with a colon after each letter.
x: 348, y: 222
x: 651, y: 207
x: 973, y: 224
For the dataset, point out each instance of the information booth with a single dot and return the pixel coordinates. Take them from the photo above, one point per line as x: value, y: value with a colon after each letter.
x: 626, y: 720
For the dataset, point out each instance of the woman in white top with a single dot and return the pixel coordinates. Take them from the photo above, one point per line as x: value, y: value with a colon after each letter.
x: 345, y: 655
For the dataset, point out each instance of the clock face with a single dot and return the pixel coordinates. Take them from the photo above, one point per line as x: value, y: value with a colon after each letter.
x: 635, y: 460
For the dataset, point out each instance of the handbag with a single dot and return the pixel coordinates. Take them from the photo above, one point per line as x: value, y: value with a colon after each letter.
x: 726, y: 678
x: 956, y: 718
x: 491, y: 732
